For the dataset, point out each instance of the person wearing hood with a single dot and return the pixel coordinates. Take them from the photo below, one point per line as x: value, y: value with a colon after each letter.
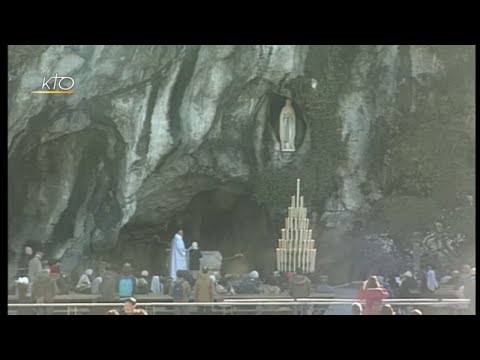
x: 408, y: 285
x: 204, y: 289
x: 299, y: 287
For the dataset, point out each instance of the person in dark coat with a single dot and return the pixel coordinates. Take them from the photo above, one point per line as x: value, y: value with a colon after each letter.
x: 23, y: 261
x: 299, y: 287
x: 194, y: 256
x: 408, y: 284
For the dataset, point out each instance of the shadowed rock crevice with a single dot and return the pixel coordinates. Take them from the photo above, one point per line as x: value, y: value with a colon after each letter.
x: 184, y: 77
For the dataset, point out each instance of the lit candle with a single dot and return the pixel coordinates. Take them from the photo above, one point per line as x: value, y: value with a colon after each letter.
x: 305, y: 258
x: 295, y: 240
x: 283, y: 233
x: 307, y: 221
x: 293, y: 201
x: 311, y: 260
x: 310, y: 234
x: 298, y: 191
x: 314, y: 258
x: 301, y: 201
x: 292, y: 257
x: 278, y: 259
x: 300, y: 260
x: 294, y: 260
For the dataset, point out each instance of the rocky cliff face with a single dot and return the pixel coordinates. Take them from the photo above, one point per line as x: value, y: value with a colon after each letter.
x: 156, y: 137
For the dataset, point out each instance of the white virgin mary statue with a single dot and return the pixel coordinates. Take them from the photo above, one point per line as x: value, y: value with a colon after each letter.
x: 287, y: 127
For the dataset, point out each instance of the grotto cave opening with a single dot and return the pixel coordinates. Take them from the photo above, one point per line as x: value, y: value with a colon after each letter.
x: 218, y: 220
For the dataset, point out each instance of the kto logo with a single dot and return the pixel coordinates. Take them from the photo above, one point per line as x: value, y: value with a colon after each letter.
x: 56, y: 85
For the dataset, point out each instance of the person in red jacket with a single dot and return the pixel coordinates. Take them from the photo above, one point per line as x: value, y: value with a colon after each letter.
x: 373, y: 294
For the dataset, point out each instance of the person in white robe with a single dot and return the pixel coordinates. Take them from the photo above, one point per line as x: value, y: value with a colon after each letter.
x: 432, y: 284
x: 178, y: 254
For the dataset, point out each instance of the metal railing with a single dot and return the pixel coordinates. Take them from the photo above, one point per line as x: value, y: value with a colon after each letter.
x: 230, y: 305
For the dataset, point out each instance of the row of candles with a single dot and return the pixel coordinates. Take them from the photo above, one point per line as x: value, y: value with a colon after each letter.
x: 299, y: 213
x: 295, y: 244
x: 295, y: 203
x: 291, y: 259
x: 297, y: 234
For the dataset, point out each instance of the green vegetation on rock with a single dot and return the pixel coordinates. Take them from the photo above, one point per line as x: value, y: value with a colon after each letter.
x: 318, y: 172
